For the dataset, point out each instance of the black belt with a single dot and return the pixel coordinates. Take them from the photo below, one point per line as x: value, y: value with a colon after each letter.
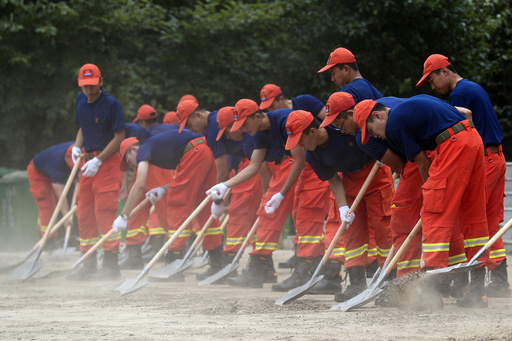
x: 192, y: 144
x: 92, y: 155
x: 456, y: 128
x: 492, y: 150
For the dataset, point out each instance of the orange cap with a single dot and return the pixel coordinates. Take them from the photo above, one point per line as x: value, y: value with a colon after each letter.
x: 185, y: 108
x: 434, y: 62
x: 171, y: 118
x: 296, y: 122
x: 123, y: 148
x: 362, y: 111
x: 89, y: 74
x: 224, y: 119
x: 267, y: 94
x: 339, y: 56
x: 338, y: 102
x: 243, y: 109
x: 188, y: 98
x: 145, y: 112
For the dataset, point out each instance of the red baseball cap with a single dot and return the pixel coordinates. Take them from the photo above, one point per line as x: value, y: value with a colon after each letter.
x: 184, y: 110
x: 362, y: 111
x: 338, y: 56
x: 145, y: 112
x: 434, y: 62
x: 224, y: 119
x: 338, y: 102
x: 123, y: 148
x: 267, y: 94
x: 89, y: 74
x: 171, y: 118
x: 243, y: 109
x: 188, y: 98
x: 296, y: 122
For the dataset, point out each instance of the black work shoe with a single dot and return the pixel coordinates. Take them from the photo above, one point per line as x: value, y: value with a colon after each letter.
x: 499, y: 286
x: 459, y: 285
x: 269, y: 272
x: 299, y: 276
x: 173, y: 255
x: 216, y: 263
x: 156, y: 242
x: 357, y: 284
x: 472, y: 300
x: 352, y: 291
x: 51, y: 244
x: 252, y: 277
x: 134, y: 260
x: 89, y: 267
x: 372, y: 268
x: 110, y: 268
x: 331, y: 283
x: 290, y: 262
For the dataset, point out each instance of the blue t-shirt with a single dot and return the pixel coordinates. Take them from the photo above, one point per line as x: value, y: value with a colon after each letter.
x: 161, y: 128
x: 248, y: 145
x: 51, y: 163
x: 378, y: 147
x: 470, y: 95
x: 361, y: 89
x: 415, y: 124
x: 136, y: 130
x: 99, y: 120
x: 308, y: 103
x: 340, y: 155
x: 165, y: 150
x: 274, y: 140
x: 212, y: 130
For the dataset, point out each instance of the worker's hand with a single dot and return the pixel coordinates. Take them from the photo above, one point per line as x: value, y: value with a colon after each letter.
x: 274, y: 203
x: 123, y: 193
x: 217, y: 210
x: 343, y: 215
x: 75, y: 153
x: 91, y: 167
x: 218, y: 191
x: 155, y: 194
x: 119, y: 224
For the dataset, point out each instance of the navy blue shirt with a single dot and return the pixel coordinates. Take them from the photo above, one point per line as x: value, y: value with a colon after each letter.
x: 248, y: 145
x: 136, y: 130
x: 274, y: 140
x: 361, y: 89
x: 51, y: 163
x: 99, y: 120
x: 165, y: 150
x: 415, y: 124
x: 161, y: 128
x: 340, y: 155
x: 470, y: 95
x: 308, y: 103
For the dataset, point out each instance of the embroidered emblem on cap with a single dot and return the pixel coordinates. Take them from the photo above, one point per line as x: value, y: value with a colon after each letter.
x: 87, y: 73
x: 327, y: 108
x: 289, y: 130
x: 235, y: 114
x: 178, y: 117
x: 263, y: 96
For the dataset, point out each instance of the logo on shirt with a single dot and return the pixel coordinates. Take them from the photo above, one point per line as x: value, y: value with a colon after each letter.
x: 97, y: 120
x: 289, y: 130
x: 327, y: 108
x: 235, y: 114
x: 351, y: 144
x: 87, y: 73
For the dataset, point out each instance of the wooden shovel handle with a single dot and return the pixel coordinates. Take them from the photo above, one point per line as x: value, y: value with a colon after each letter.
x: 61, y: 222
x: 403, y: 247
x: 251, y: 233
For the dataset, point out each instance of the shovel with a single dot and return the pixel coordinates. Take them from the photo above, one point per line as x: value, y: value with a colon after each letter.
x: 28, y: 270
x: 180, y: 265
x: 204, y: 257
x: 94, y: 247
x: 131, y: 285
x: 65, y: 249
x: 228, y: 269
x: 34, y: 248
x: 376, y: 287
x: 303, y: 289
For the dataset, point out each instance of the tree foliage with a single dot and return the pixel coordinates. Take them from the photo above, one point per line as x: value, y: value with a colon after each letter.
x: 156, y: 51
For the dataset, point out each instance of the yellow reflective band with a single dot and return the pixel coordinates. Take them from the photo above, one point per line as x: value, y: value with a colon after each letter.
x: 456, y: 259
x: 212, y: 231
x: 156, y: 231
x: 183, y: 234
x: 436, y: 247
x: 86, y: 242
x: 309, y: 239
x: 114, y: 237
x: 266, y: 246
x: 235, y: 241
x: 356, y: 252
x: 132, y: 233
x: 408, y: 264
x: 497, y: 253
x: 474, y: 242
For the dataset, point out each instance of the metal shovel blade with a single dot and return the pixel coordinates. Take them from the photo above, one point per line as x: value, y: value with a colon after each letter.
x: 224, y: 272
x: 171, y: 269
x: 461, y: 267
x: 299, y: 292
x: 25, y: 271
x: 131, y: 285
x: 14, y: 266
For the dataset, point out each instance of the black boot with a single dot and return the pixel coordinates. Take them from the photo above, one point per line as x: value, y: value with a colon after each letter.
x: 156, y: 242
x: 299, y: 276
x: 269, y: 273
x: 499, y: 286
x: 290, y: 262
x: 331, y: 283
x: 134, y: 260
x: 110, y: 268
x: 51, y: 244
x: 215, y: 262
x: 371, y: 268
x: 459, y: 285
x: 89, y: 267
x: 475, y: 297
x: 252, y: 277
x: 173, y: 255
x: 357, y: 284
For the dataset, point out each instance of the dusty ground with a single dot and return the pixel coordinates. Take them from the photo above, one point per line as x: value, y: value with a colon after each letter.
x: 57, y: 309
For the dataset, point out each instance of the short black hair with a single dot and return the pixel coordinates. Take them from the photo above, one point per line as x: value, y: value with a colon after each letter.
x: 152, y: 120
x: 314, y: 124
x: 377, y: 107
x: 449, y: 67
x: 352, y: 65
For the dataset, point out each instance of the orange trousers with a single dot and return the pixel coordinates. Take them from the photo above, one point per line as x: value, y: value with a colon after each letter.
x: 97, y: 204
x: 44, y: 197
x: 195, y: 174
x: 310, y: 208
x: 454, y: 195
x: 244, y: 203
x: 271, y: 225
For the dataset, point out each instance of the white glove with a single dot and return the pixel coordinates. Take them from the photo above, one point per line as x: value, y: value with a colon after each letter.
x: 380, y: 163
x: 155, y: 194
x: 91, y: 167
x: 217, y: 210
x: 119, y: 224
x: 218, y: 191
x: 274, y: 203
x: 343, y: 215
x: 75, y: 153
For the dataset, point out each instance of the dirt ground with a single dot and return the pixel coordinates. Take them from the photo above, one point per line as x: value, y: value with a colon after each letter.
x: 58, y: 309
